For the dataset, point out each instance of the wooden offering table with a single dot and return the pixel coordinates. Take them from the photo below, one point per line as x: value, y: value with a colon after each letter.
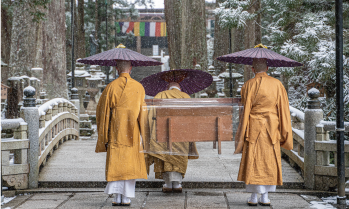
x: 194, y: 120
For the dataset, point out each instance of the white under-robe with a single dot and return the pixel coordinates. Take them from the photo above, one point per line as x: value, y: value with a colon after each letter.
x: 261, y: 189
x: 172, y: 176
x: 124, y: 187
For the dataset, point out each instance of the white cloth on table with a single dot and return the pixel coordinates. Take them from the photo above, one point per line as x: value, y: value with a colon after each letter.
x: 124, y: 187
x: 253, y: 188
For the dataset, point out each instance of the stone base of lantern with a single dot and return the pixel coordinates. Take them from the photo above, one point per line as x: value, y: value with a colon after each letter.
x: 86, y: 129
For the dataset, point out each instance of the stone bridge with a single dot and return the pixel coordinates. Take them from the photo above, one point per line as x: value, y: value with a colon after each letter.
x: 30, y: 140
x: 75, y: 164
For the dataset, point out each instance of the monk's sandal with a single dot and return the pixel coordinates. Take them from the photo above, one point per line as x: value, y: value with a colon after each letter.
x: 166, y: 189
x: 263, y: 203
x: 115, y: 204
x: 250, y: 203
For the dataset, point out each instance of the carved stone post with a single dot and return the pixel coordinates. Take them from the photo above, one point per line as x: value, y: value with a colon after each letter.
x: 313, y: 115
x: 65, y: 106
x: 60, y: 107
x: 31, y: 117
x: 54, y: 110
x: 75, y: 99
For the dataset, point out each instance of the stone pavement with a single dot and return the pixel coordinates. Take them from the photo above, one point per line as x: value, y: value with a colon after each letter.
x: 154, y: 199
x: 75, y: 164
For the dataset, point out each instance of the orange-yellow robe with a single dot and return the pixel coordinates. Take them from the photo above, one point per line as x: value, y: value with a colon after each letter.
x: 265, y: 126
x: 164, y: 162
x: 119, y: 117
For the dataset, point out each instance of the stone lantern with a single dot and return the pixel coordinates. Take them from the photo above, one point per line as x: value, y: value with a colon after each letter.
x: 86, y: 100
x: 212, y: 89
x: 226, y: 78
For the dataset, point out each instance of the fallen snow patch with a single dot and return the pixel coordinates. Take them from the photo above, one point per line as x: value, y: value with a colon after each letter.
x: 7, y: 200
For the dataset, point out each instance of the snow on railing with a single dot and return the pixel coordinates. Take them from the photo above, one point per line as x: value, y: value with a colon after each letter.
x: 12, y: 123
x: 297, y: 113
x: 331, y: 125
x: 49, y: 105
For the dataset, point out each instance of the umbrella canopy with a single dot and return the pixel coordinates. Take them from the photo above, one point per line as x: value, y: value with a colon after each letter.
x: 190, y: 81
x: 109, y: 58
x: 260, y: 51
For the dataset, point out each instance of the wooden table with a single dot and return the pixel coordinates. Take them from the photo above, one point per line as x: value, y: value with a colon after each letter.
x: 194, y: 120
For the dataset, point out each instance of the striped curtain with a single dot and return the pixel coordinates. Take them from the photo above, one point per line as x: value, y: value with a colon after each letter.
x: 151, y: 29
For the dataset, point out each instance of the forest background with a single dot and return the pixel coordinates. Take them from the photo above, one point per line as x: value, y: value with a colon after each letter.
x: 36, y: 33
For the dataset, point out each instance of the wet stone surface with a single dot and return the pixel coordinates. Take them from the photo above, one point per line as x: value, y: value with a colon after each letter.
x: 155, y: 199
x: 76, y: 161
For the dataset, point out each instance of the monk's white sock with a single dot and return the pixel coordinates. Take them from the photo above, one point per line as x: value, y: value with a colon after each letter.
x: 254, y: 198
x: 125, y: 199
x: 264, y: 198
x: 117, y: 198
x: 176, y: 184
x: 168, y: 183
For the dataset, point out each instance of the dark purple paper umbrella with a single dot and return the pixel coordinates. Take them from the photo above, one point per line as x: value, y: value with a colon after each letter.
x: 109, y: 58
x: 191, y: 81
x: 260, y: 51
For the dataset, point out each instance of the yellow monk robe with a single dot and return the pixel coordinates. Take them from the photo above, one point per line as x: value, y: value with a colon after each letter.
x: 266, y: 125
x: 120, y: 118
x: 164, y: 162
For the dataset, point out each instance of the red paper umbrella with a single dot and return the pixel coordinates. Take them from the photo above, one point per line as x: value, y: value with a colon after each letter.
x: 190, y: 81
x: 109, y: 58
x: 260, y: 51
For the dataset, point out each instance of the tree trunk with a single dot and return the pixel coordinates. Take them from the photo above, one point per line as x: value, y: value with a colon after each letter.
x: 186, y: 30
x: 221, y: 44
x: 6, y: 27
x: 23, y: 42
x: 97, y: 25
x: 249, y: 41
x: 80, y: 42
x: 258, y: 23
x: 54, y: 50
x: 68, y: 39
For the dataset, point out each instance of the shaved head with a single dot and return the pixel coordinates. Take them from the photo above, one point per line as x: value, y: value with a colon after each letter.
x: 173, y: 84
x: 123, y: 66
x: 260, y: 65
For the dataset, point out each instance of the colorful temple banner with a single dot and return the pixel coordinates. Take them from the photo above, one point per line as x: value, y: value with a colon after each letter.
x: 152, y: 29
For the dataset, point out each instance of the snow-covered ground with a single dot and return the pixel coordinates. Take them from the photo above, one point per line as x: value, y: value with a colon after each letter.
x: 326, y: 204
x: 6, y: 200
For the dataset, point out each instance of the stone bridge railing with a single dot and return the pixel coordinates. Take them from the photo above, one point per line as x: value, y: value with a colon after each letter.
x: 36, y: 135
x: 58, y: 122
x: 312, y: 147
x: 14, y: 152
x: 296, y: 156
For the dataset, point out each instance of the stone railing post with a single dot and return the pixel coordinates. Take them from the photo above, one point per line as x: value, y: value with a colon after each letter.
x: 42, y: 121
x: 75, y: 99
x: 54, y: 110
x: 60, y: 107
x: 31, y: 117
x: 312, y: 117
x: 65, y: 106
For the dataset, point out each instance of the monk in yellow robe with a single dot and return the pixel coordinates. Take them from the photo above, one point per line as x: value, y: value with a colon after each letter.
x: 264, y: 127
x: 171, y: 168
x: 120, y: 114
